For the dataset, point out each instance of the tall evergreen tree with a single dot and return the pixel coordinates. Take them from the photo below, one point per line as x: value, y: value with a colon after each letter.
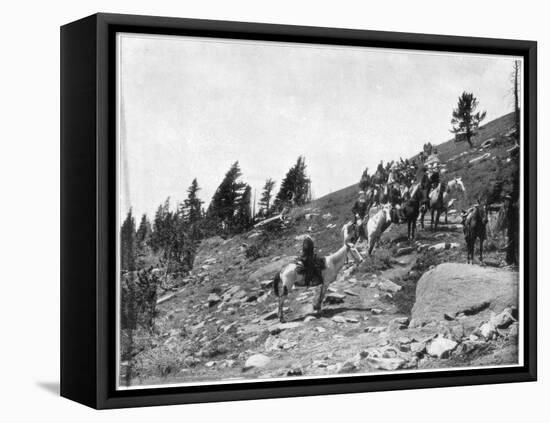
x: 192, y: 205
x: 224, y: 204
x: 244, y: 212
x: 128, y: 251
x: 295, y: 187
x: 465, y: 119
x: 143, y: 233
x: 267, y: 194
x: 160, y: 238
x: 515, y: 76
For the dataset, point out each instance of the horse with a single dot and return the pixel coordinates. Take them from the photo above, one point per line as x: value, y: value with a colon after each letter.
x: 438, y: 204
x: 378, y: 223
x: 411, y: 210
x: 391, y: 194
x: 475, y: 223
x: 288, y: 276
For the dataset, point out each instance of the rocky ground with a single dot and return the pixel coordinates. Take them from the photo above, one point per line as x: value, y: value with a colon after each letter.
x: 412, y: 305
x: 400, y: 309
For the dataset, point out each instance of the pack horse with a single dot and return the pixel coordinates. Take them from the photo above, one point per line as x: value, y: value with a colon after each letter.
x: 289, y: 276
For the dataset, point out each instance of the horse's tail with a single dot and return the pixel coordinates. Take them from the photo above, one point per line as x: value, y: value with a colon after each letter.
x: 276, y: 282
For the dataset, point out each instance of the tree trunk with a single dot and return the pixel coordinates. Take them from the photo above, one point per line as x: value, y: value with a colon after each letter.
x: 516, y: 98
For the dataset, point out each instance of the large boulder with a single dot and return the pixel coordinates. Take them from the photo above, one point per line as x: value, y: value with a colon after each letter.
x: 463, y: 291
x: 269, y: 270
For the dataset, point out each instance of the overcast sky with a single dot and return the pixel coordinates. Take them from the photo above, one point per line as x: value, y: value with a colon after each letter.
x: 190, y: 107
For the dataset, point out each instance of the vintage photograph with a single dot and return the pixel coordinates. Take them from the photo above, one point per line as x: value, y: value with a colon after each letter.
x: 290, y: 210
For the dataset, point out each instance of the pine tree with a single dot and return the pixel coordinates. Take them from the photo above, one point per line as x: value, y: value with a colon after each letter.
x: 223, y: 206
x: 143, y: 233
x: 128, y: 243
x: 244, y: 212
x: 516, y: 74
x: 265, y: 199
x: 192, y: 206
x: 295, y: 187
x: 465, y: 120
x: 160, y: 237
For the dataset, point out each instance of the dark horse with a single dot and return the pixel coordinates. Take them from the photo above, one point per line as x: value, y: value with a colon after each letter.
x: 411, y: 210
x: 475, y: 222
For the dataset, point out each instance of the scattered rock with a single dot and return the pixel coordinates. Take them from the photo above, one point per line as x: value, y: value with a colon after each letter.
x: 487, y: 331
x: 349, y: 366
x: 339, y: 319
x: 295, y: 372
x: 386, y: 363
x: 278, y: 328
x: 351, y: 293
x: 504, y: 319
x: 256, y: 361
x: 387, y: 285
x: 418, y: 347
x: 352, y: 320
x: 400, y: 322
x: 404, y: 250
x: 213, y: 299
x: 266, y: 284
x: 309, y: 318
x: 375, y: 329
x: 513, y: 332
x: 376, y: 311
x: 440, y: 347
x: 269, y: 315
x: 334, y: 298
x: 320, y: 329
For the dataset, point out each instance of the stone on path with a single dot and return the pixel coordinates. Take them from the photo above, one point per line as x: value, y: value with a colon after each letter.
x: 440, y: 347
x: 278, y: 328
x: 405, y: 250
x: 334, y: 298
x: 339, y: 319
x: 256, y: 361
x: 213, y: 299
x: 386, y: 363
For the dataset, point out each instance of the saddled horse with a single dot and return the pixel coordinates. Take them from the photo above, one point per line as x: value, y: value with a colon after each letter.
x: 411, y: 209
x: 440, y: 203
x: 288, y: 276
x: 475, y: 223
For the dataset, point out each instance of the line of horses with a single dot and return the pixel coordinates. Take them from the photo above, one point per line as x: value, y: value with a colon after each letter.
x: 407, y: 204
x: 412, y: 203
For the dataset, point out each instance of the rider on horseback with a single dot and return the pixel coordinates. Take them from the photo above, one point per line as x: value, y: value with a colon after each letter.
x: 435, y: 181
x: 310, y: 264
x: 360, y: 210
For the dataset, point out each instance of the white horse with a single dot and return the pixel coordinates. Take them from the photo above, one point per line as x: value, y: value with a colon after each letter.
x: 378, y: 223
x: 285, y: 279
x: 438, y: 204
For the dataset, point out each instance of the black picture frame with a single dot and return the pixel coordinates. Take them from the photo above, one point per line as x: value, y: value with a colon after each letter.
x: 88, y: 222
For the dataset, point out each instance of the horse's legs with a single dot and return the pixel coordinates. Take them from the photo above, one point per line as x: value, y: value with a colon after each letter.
x: 446, y: 221
x: 319, y: 302
x: 281, y: 300
x: 437, y: 215
x: 432, y: 211
x: 480, y: 249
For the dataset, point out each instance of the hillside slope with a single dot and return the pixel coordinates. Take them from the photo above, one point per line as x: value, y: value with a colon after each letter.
x: 220, y: 324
